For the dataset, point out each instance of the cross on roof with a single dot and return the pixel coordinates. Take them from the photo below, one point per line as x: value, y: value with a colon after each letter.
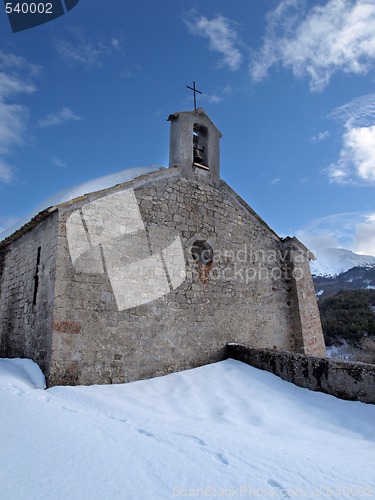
x: 195, y: 94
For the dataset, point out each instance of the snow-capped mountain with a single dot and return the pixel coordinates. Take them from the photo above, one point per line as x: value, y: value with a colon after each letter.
x: 334, y: 261
x: 338, y: 269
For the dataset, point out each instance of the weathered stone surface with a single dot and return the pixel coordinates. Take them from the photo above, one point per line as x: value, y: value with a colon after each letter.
x: 122, y: 295
x: 26, y: 311
x: 305, y: 315
x: 345, y: 380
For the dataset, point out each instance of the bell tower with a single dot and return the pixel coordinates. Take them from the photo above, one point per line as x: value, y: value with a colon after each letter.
x: 195, y: 146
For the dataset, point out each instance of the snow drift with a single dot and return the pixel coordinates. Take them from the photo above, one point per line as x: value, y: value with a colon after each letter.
x: 223, y: 430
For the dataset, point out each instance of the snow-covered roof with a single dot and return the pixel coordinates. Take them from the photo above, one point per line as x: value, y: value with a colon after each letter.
x: 78, y: 190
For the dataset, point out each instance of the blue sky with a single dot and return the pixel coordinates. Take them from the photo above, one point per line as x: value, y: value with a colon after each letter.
x: 290, y: 84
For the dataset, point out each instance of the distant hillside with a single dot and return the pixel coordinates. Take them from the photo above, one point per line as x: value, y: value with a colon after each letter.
x: 357, y: 278
x: 348, y: 321
x: 345, y: 286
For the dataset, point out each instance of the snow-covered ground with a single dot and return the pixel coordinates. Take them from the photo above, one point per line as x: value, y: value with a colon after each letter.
x: 223, y: 430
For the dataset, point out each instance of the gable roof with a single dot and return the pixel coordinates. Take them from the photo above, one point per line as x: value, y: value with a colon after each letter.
x: 74, y: 193
x: 201, y: 113
x: 131, y: 178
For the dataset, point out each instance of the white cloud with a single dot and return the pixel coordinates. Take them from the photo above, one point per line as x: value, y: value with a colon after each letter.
x: 78, y: 49
x: 364, y: 241
x: 351, y: 230
x: 221, y: 35
x: 58, y: 118
x: 15, y: 78
x: 357, y: 156
x: 317, y: 43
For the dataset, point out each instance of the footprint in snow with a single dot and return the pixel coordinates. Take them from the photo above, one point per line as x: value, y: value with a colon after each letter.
x: 195, y: 439
x: 145, y: 433
x: 219, y: 457
x: 118, y: 419
x: 279, y: 486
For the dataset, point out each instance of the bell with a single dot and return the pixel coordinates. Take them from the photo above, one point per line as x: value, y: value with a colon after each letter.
x: 197, y: 154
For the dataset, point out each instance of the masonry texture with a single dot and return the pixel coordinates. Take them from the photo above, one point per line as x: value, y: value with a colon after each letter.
x: 345, y: 380
x: 27, y: 294
x: 93, y: 307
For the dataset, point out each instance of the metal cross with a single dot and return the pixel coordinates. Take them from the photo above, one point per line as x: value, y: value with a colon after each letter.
x: 195, y: 94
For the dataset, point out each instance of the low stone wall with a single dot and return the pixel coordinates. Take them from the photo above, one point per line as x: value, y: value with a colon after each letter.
x: 345, y: 380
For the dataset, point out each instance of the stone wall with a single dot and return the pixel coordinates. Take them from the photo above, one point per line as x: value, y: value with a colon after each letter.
x: 27, y: 292
x: 242, y: 296
x: 2, y: 264
x: 345, y: 380
x: 67, y: 302
x: 305, y: 317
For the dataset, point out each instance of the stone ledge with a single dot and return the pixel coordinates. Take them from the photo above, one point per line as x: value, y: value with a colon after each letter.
x: 346, y: 380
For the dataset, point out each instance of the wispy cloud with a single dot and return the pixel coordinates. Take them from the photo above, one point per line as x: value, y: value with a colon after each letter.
x: 16, y: 77
x: 351, y: 230
x: 358, y: 112
x: 18, y: 63
x: 7, y: 221
x: 317, y: 43
x: 222, y: 36
x: 116, y: 42
x: 321, y: 136
x: 357, y: 157
x: 58, y: 162
x: 12, y: 84
x: 219, y: 95
x: 13, y: 122
x: 79, y: 49
x: 63, y: 116
x: 6, y: 172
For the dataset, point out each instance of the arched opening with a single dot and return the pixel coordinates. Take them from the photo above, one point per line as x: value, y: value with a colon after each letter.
x: 200, y: 146
x: 202, y: 253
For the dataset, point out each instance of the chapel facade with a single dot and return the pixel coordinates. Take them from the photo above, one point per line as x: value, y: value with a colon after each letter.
x: 154, y: 275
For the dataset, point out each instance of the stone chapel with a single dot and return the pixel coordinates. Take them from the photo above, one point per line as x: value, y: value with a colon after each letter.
x: 154, y: 275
